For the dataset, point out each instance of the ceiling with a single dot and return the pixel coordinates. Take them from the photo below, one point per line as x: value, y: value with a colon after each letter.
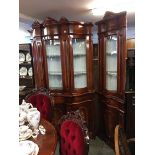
x: 80, y: 10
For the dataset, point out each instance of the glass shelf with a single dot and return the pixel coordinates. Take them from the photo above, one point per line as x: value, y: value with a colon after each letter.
x: 55, y: 73
x: 79, y: 54
x: 113, y: 53
x: 112, y: 73
x: 51, y: 56
x: 79, y: 73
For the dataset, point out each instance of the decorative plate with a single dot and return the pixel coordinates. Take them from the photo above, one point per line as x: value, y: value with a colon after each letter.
x: 21, y: 88
x: 30, y: 73
x: 28, y: 57
x: 23, y: 71
x: 21, y: 57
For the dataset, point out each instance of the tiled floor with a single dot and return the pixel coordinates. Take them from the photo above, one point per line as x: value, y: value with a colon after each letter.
x: 96, y: 147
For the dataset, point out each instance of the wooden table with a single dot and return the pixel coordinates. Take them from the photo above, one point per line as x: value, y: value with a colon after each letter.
x: 47, y: 143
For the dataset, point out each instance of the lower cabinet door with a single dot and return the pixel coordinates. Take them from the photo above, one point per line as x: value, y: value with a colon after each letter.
x: 111, y: 117
x: 57, y: 112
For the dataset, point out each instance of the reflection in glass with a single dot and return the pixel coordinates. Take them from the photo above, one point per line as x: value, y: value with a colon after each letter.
x: 111, y: 63
x: 79, y: 63
x: 54, y: 64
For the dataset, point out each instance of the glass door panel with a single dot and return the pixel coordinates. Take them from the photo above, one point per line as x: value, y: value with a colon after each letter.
x: 111, y: 63
x: 54, y: 64
x: 79, y: 63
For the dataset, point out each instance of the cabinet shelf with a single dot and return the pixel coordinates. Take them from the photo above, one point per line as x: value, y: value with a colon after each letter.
x: 25, y: 63
x: 113, y: 53
x: 80, y: 73
x: 55, y: 73
x: 52, y: 56
x: 24, y: 51
x: 111, y: 73
x: 25, y: 77
x: 79, y: 54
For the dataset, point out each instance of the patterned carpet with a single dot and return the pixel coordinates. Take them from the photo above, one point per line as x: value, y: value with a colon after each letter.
x: 96, y: 147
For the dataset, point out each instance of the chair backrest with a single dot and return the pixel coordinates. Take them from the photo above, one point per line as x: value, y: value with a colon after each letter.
x: 121, y: 145
x: 74, y: 139
x: 40, y: 99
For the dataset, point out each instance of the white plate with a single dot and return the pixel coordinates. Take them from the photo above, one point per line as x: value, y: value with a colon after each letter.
x: 21, y: 88
x: 21, y: 57
x: 23, y: 71
x: 28, y: 57
x: 30, y: 73
x: 25, y: 136
x: 28, y: 147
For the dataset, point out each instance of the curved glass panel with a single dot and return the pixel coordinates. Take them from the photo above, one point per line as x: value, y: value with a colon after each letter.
x: 111, y: 63
x: 79, y: 63
x: 54, y: 63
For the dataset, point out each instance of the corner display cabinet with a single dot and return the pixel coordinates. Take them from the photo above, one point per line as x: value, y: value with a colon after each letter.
x: 112, y: 67
x: 63, y: 57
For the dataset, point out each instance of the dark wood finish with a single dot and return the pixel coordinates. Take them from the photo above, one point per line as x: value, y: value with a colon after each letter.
x: 24, y: 93
x: 37, y: 50
x: 27, y: 80
x: 112, y: 102
x: 130, y: 70
x: 68, y: 96
x: 47, y: 143
x: 130, y: 114
x: 130, y: 93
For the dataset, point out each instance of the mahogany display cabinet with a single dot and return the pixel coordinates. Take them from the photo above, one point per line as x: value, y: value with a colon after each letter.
x: 112, y: 72
x: 63, y: 58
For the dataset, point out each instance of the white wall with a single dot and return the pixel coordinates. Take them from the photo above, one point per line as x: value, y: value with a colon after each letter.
x: 130, y: 33
x: 24, y: 35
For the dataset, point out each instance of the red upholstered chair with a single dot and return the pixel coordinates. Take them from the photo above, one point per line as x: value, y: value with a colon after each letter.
x: 40, y: 99
x: 74, y: 139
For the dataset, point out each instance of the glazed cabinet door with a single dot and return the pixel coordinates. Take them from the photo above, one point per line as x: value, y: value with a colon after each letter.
x: 79, y: 63
x: 111, y: 58
x: 112, y: 115
x: 54, y: 64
